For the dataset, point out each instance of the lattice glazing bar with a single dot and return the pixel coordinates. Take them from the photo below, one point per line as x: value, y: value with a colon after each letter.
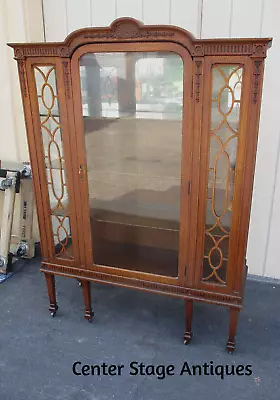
x: 48, y: 103
x: 223, y: 144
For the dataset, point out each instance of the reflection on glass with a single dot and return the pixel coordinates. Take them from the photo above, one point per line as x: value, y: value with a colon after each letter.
x: 132, y: 109
x: 224, y: 132
x: 47, y: 98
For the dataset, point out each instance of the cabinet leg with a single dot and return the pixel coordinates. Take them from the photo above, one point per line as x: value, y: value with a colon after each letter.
x: 50, y: 280
x: 188, y: 316
x: 232, y: 329
x: 87, y: 299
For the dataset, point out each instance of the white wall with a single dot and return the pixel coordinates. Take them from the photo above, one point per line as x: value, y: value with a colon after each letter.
x: 204, y: 18
x: 20, y: 20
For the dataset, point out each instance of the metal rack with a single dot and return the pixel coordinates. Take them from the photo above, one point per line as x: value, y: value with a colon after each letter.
x: 16, y: 179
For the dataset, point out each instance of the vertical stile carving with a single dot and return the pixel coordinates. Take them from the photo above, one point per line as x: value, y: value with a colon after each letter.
x: 22, y: 76
x: 198, y: 73
x: 66, y: 78
x: 256, y: 83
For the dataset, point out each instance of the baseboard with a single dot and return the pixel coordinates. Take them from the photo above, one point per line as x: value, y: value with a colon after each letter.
x: 266, y: 279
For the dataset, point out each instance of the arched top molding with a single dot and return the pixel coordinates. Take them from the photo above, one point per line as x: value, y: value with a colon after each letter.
x: 131, y: 30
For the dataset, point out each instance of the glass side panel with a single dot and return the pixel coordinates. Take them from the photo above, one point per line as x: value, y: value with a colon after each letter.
x: 48, y: 103
x: 132, y: 109
x: 223, y: 144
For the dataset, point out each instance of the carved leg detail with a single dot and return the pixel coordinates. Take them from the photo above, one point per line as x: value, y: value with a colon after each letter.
x: 189, y: 314
x: 50, y: 280
x: 87, y: 299
x: 232, y: 329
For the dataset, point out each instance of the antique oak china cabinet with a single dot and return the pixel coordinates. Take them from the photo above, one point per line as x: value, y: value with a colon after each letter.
x: 142, y: 142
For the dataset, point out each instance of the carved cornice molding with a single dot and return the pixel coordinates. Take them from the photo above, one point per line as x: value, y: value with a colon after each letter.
x: 259, y: 50
x: 131, y: 30
x: 40, y: 50
x: 179, y: 291
x: 229, y: 47
x: 127, y: 30
x: 198, y: 50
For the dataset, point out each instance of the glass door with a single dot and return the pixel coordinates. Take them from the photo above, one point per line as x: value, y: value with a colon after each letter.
x: 132, y: 109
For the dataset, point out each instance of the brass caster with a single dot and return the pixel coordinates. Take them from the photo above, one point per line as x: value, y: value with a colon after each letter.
x: 188, y: 337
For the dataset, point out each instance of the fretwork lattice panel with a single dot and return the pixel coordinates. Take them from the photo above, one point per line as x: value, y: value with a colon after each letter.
x: 48, y: 103
x: 223, y: 143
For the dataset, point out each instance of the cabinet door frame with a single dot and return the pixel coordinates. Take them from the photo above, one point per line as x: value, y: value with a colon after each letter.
x: 41, y: 185
x: 235, y: 264
x: 79, y: 145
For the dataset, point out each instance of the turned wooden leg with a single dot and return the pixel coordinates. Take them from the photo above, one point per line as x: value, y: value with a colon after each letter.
x: 87, y: 299
x: 234, y: 312
x: 51, y: 292
x: 189, y: 314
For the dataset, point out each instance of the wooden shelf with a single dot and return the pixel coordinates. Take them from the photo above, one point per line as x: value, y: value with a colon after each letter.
x: 134, y: 257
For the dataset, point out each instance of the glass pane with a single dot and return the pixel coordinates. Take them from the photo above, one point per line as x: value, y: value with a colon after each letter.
x: 48, y: 103
x: 132, y: 108
x: 223, y: 142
